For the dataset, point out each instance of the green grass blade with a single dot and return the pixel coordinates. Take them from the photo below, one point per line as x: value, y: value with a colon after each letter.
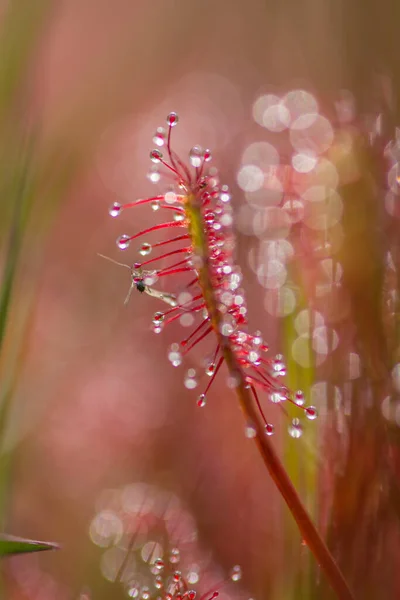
x: 10, y: 545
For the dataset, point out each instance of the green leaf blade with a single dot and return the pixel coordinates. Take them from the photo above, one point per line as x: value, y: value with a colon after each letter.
x: 10, y: 545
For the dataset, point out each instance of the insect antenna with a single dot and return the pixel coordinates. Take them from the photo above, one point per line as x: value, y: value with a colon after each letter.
x: 133, y: 283
x: 114, y: 261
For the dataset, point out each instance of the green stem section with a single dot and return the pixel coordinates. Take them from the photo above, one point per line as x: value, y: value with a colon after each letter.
x: 275, y: 468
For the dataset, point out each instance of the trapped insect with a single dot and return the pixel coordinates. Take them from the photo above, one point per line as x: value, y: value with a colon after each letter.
x: 142, y: 280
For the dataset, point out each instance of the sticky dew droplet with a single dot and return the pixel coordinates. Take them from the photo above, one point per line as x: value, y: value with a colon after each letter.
x: 156, y: 156
x: 226, y: 298
x: 159, y: 564
x: 170, y: 197
x: 160, y: 136
x: 225, y: 195
x: 145, y: 249
x: 154, y: 176
x: 311, y: 413
x: 174, y: 556
x: 227, y: 325
x: 210, y: 369
x: 241, y: 337
x: 196, y: 156
x: 236, y: 573
x: 269, y: 429
x: 115, y: 209
x: 254, y: 357
x: 295, y: 429
x: 155, y: 205
x: 123, y: 241
x: 158, y: 322
x: 145, y: 593
x: 172, y: 119
x: 277, y: 397
x: 201, y: 400
x: 257, y: 339
x: 207, y: 156
x: 190, y: 380
x: 179, y: 217
x: 299, y: 398
x: 174, y: 355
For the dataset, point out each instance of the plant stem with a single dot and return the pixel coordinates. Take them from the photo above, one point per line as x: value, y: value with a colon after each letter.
x: 275, y: 467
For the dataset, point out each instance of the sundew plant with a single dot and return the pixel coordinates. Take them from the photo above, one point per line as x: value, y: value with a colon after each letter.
x: 233, y: 430
x: 196, y: 266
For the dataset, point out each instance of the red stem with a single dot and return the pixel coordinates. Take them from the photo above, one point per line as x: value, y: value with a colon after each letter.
x: 275, y: 468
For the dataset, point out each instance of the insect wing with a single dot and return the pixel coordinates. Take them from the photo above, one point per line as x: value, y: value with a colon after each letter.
x: 168, y: 298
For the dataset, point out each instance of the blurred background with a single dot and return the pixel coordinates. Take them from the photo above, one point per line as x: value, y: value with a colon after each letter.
x: 99, y: 436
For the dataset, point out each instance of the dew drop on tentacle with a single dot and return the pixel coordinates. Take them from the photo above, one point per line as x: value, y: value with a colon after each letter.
x: 174, y: 355
x: 170, y: 197
x: 236, y: 573
x: 123, y: 241
x: 155, y: 205
x: 190, y: 380
x: 311, y: 413
x: 201, y: 400
x: 207, y: 155
x: 158, y: 322
x: 159, y: 564
x: 299, y: 398
x: 154, y: 175
x: 225, y: 195
x: 145, y: 593
x: 254, y: 358
x: 241, y: 337
x: 269, y: 429
x: 172, y: 119
x: 160, y: 136
x: 279, y: 366
x: 145, y: 249
x: 179, y: 217
x: 115, y: 209
x: 209, y: 217
x: 174, y: 556
x: 277, y: 397
x: 156, y: 156
x: 132, y: 591
x: 217, y: 226
x: 257, y: 339
x: 227, y: 325
x: 210, y: 369
x: 295, y: 429
x: 196, y: 156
